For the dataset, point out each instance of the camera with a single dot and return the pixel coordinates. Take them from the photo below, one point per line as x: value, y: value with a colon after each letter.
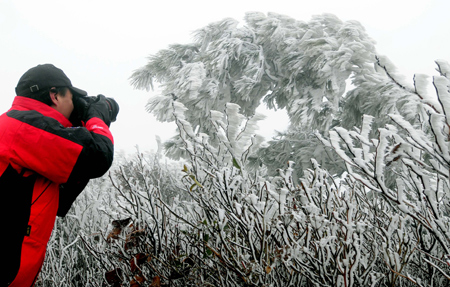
x: 81, y: 106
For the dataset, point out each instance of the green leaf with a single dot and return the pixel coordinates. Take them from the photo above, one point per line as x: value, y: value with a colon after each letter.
x: 195, y: 181
x: 208, y: 253
x: 235, y: 164
x: 198, y: 183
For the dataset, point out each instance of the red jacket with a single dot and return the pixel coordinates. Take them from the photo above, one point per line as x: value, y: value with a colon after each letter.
x: 44, y: 164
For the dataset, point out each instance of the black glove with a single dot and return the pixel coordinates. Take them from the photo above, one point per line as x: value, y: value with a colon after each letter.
x: 85, y: 108
x: 99, y: 108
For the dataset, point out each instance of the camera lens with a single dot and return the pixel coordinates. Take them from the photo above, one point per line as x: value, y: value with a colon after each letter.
x: 114, y: 108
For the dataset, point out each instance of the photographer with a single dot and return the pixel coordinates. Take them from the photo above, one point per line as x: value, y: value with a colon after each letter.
x: 52, y: 141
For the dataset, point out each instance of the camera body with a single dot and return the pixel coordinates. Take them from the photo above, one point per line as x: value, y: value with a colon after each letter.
x: 83, y: 104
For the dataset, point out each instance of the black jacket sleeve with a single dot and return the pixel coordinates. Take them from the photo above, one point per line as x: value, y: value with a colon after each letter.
x: 68, y: 192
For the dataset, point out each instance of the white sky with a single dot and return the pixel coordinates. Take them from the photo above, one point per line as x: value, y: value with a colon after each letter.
x: 98, y: 44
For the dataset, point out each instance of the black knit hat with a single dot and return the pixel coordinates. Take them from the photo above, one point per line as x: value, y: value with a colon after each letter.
x: 43, y: 77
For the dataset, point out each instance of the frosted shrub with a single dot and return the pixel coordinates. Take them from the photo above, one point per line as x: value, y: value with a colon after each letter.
x: 256, y: 230
x: 144, y: 233
x: 239, y: 228
x: 79, y: 250
x: 407, y: 166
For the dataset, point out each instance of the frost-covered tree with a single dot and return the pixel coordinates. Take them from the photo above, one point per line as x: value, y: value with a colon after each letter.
x: 324, y: 73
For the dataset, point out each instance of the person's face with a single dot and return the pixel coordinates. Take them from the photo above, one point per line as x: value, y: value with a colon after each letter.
x: 63, y: 103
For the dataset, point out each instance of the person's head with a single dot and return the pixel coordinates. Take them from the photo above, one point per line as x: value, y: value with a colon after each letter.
x: 48, y: 84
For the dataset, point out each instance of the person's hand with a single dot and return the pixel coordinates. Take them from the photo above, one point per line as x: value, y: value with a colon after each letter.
x: 85, y: 108
x: 100, y: 108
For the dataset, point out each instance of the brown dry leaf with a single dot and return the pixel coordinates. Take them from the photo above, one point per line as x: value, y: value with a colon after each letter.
x: 268, y: 269
x: 137, y: 260
x: 133, y: 265
x: 133, y: 283
x: 114, y: 276
x: 133, y: 238
x: 114, y: 234
x: 118, y: 225
x: 136, y: 233
x: 140, y: 278
x: 156, y: 282
x: 121, y: 223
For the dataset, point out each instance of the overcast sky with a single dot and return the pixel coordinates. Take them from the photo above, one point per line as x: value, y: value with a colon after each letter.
x: 98, y: 44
